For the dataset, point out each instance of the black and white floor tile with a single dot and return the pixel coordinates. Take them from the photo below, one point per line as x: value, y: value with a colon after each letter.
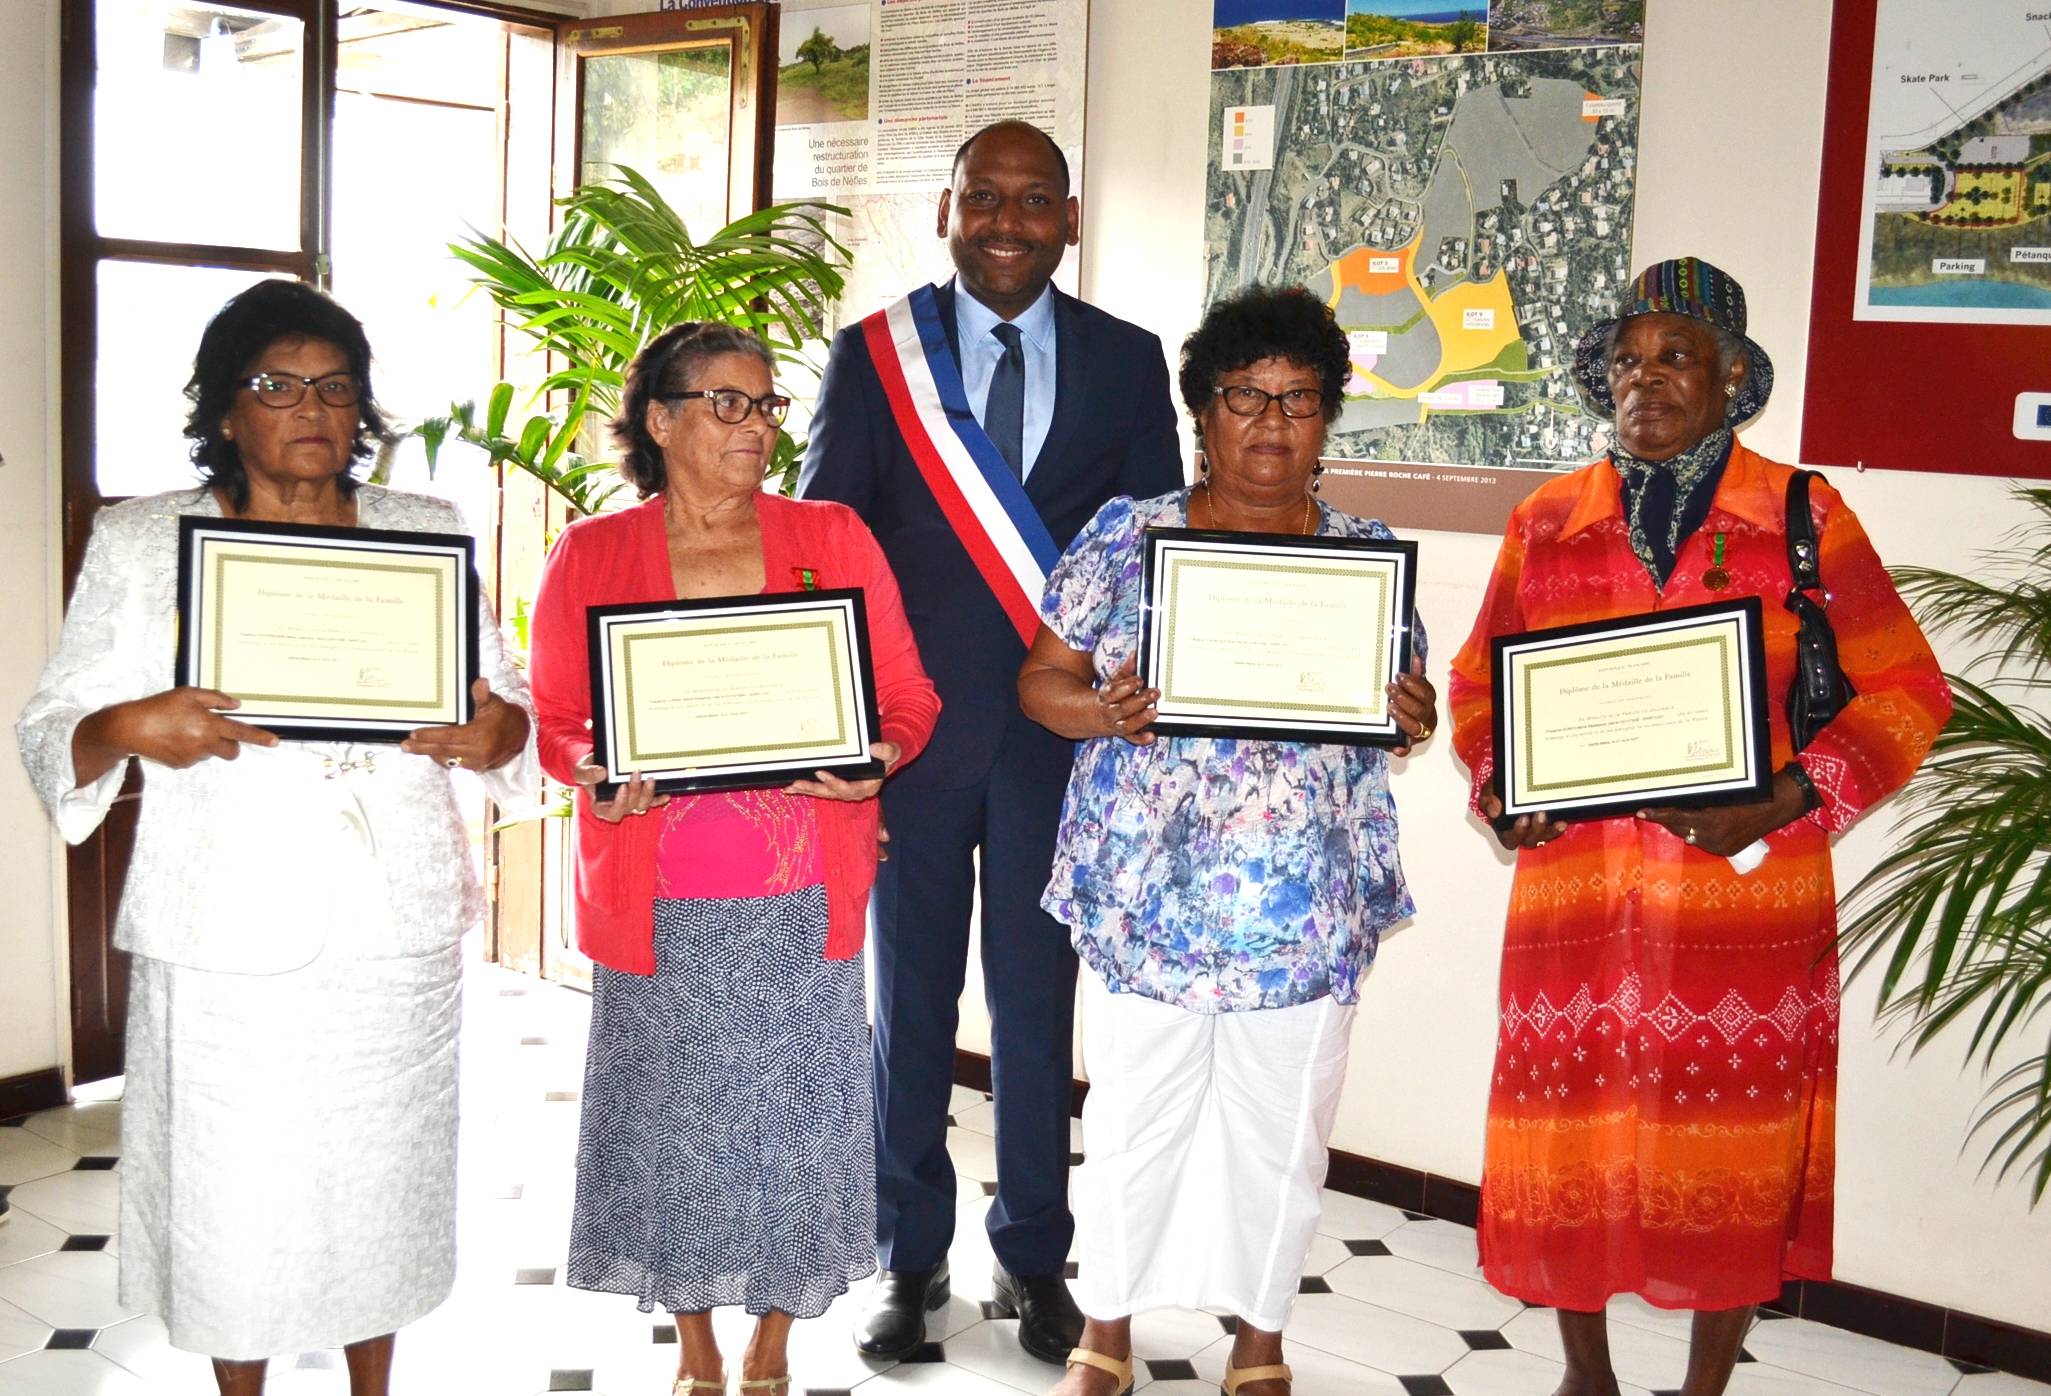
x: 1392, y: 1305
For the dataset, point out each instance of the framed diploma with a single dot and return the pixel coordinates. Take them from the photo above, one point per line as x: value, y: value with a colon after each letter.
x: 1614, y: 716
x: 733, y: 692
x: 1275, y: 638
x: 329, y: 634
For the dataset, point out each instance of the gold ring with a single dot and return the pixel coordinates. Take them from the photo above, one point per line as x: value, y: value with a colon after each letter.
x: 453, y: 762
x: 1424, y: 734
x: 1691, y: 836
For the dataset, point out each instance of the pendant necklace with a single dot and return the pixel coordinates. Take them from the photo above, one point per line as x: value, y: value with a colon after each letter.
x: 1716, y: 579
x: 1308, y: 529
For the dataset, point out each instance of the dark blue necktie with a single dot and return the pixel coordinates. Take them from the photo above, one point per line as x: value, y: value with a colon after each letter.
x: 1004, y: 413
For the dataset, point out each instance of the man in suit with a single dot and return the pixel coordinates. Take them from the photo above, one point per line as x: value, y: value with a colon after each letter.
x: 1076, y: 402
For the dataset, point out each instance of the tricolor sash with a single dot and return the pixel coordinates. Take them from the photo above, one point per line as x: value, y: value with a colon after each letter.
x: 986, y: 506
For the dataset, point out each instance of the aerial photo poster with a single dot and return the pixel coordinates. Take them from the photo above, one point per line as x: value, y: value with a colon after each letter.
x: 1458, y: 185
x: 1957, y: 218
x: 873, y: 99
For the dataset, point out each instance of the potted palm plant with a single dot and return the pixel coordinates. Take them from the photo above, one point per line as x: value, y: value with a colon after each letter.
x: 1957, y: 918
x: 620, y: 269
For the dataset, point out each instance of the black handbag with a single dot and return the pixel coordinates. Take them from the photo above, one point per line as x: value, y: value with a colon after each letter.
x: 1820, y: 691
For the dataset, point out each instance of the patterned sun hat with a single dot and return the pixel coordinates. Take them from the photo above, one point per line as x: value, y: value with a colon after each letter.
x: 1679, y: 286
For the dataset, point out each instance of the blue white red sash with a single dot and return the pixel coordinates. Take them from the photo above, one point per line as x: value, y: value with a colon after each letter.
x: 985, y: 504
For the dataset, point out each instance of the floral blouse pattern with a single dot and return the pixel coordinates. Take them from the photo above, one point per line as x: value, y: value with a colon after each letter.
x: 1218, y: 875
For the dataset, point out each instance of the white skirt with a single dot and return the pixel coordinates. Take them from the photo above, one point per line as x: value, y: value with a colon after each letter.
x: 1205, y: 1136
x: 288, y: 1175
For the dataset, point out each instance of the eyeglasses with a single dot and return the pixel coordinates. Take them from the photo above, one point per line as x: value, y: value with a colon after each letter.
x: 289, y: 389
x: 1244, y: 401
x: 732, y: 406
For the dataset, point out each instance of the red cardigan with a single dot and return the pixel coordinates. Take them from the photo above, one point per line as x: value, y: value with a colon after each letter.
x: 625, y: 557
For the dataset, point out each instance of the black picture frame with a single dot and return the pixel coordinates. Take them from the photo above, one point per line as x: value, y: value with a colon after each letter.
x: 1758, y: 732
x: 735, y: 776
x: 193, y: 532
x: 1157, y: 541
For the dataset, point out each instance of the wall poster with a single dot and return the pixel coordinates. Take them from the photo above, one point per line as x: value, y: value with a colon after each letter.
x: 1956, y: 222
x: 873, y: 98
x: 1458, y: 184
x: 1930, y: 317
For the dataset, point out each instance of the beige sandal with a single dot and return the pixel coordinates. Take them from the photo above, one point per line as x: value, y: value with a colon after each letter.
x: 768, y: 1386
x: 1083, y: 1357
x: 691, y: 1386
x: 1236, y: 1377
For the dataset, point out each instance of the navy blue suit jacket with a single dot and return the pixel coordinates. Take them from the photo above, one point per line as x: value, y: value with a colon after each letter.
x: 1113, y: 433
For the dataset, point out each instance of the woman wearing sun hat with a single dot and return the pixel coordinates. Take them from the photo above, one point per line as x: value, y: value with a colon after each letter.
x: 1662, y: 1108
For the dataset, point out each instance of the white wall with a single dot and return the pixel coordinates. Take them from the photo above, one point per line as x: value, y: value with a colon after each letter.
x: 1731, y: 153
x: 33, y: 1025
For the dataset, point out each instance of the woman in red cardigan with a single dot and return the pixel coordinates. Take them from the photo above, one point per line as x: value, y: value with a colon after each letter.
x: 725, y: 1153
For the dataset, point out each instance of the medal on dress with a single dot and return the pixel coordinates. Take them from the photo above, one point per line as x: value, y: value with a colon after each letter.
x: 1716, y: 579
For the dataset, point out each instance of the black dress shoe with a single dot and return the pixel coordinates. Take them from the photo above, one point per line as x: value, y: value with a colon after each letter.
x: 1049, y: 1324
x: 893, y: 1321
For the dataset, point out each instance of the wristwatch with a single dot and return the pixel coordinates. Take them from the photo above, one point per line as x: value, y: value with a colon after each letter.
x: 1812, y: 798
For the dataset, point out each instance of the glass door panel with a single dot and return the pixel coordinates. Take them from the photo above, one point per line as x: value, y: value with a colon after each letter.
x: 197, y: 112
x: 686, y: 97
x: 150, y: 318
x: 667, y: 114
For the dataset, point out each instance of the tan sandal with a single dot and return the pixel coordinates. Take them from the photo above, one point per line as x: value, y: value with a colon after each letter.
x: 1083, y: 1357
x: 1236, y: 1377
x: 691, y: 1386
x: 768, y: 1386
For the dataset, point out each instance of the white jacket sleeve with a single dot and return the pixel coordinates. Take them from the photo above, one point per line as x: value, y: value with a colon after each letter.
x: 515, y: 786
x: 103, y: 657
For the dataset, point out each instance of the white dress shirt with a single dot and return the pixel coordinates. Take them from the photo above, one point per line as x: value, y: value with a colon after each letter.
x: 980, y: 351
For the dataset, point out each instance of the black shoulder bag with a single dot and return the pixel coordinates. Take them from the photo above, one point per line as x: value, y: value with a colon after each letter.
x: 1820, y: 690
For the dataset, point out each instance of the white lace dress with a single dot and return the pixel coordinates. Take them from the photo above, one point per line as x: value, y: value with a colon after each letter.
x: 288, y: 1175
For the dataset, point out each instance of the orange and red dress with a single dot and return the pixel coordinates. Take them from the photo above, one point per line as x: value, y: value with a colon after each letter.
x: 1661, y: 1116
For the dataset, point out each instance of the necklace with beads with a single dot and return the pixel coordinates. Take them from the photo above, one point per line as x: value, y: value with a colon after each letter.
x: 1307, y: 529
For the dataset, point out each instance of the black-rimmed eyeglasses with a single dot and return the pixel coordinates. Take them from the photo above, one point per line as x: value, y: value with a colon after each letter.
x: 1242, y: 400
x: 732, y: 406
x: 289, y: 389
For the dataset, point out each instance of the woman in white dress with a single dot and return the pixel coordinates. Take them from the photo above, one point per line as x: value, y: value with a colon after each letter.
x: 294, y: 908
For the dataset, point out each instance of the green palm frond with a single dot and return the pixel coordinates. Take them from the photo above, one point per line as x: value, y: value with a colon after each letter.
x: 620, y: 269
x: 2014, y: 610
x: 1957, y: 918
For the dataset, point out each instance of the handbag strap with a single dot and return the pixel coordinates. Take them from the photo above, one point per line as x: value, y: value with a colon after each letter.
x: 1801, y: 534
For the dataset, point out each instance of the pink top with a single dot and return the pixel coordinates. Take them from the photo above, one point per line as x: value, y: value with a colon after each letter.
x: 738, y: 843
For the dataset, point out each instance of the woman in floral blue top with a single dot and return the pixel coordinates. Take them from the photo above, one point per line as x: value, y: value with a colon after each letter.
x: 1226, y: 896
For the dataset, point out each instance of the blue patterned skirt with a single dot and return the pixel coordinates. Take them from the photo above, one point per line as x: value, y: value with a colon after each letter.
x: 726, y: 1151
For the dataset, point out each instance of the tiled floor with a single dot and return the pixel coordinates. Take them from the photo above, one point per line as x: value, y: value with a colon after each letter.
x: 1392, y: 1303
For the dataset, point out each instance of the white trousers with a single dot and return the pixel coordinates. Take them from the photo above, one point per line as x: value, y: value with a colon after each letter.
x: 1205, y: 1139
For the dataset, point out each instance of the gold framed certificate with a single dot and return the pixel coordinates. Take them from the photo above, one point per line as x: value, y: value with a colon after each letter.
x: 1275, y: 638
x: 733, y: 692
x: 1665, y: 709
x: 329, y: 634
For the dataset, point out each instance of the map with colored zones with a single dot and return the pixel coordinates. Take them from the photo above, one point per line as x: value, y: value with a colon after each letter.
x: 1957, y: 216
x: 1466, y: 217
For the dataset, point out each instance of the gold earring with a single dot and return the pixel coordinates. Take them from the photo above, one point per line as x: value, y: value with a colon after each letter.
x: 1730, y: 390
